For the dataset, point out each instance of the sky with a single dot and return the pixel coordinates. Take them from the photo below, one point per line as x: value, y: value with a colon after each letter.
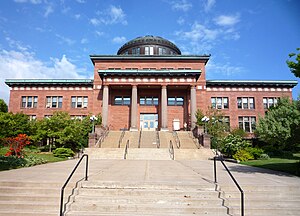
x: 247, y: 39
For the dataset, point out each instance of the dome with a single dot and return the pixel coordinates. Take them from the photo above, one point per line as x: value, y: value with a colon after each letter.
x: 149, y: 45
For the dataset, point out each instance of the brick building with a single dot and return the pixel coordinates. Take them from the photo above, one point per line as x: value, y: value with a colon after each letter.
x: 148, y: 85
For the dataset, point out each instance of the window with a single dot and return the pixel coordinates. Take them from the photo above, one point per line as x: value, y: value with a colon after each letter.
x: 119, y: 100
x: 32, y: 117
x: 80, y: 117
x: 219, y: 102
x: 175, y: 101
x: 148, y: 101
x: 136, y: 51
x: 54, y: 101
x: 79, y: 101
x: 148, y: 50
x: 245, y: 103
x: 247, y: 123
x: 269, y: 102
x: 29, y: 101
x: 161, y: 51
x: 226, y: 121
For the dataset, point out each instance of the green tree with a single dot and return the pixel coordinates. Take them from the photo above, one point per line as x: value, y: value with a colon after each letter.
x: 280, y: 128
x: 294, y: 63
x: 3, y: 106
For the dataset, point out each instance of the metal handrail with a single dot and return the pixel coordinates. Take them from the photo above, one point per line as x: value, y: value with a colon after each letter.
x: 121, y: 138
x: 102, y: 137
x: 140, y: 138
x: 126, y: 149
x: 171, y: 150
x: 157, y: 140
x: 69, y: 178
x: 195, y: 140
x: 220, y: 157
x: 177, y: 140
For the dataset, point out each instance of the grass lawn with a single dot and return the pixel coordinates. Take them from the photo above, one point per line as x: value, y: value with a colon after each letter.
x: 46, y: 156
x: 289, y: 165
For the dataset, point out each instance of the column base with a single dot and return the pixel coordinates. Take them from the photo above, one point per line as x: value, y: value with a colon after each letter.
x: 133, y: 129
x: 164, y: 129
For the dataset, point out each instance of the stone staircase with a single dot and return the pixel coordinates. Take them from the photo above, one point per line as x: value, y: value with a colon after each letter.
x: 112, y: 140
x: 148, y: 154
x: 148, y: 139
x: 186, y: 142
x: 165, y: 137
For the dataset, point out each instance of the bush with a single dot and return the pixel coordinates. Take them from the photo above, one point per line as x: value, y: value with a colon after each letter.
x: 231, y: 144
x: 256, y: 152
x: 243, y: 155
x: 32, y: 161
x: 63, y: 152
x: 264, y: 157
x: 11, y: 162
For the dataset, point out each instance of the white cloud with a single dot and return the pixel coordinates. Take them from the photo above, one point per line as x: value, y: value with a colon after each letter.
x: 16, y: 44
x: 65, y: 40
x: 119, y: 40
x: 113, y: 15
x: 225, y: 69
x: 22, y: 65
x: 29, y: 1
x: 84, y: 40
x: 49, y: 10
x: 182, y: 5
x: 180, y: 21
x: 99, y: 33
x: 229, y: 20
x: 208, y: 5
x: 77, y: 16
x: 81, y: 1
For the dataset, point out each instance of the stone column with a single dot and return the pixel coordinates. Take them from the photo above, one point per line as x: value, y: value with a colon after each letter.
x: 164, y: 108
x: 105, y: 106
x: 133, y: 123
x: 193, y: 107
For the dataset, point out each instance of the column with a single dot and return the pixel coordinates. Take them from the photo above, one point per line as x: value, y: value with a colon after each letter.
x: 105, y: 106
x: 164, y: 108
x: 193, y: 107
x: 133, y: 122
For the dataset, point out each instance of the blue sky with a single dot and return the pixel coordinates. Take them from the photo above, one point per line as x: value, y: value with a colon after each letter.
x: 247, y: 39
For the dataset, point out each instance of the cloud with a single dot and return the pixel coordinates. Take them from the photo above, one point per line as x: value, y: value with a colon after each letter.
x: 65, y: 40
x: 181, y: 5
x: 29, y: 1
x: 49, y: 10
x: 81, y: 1
x: 180, y: 21
x: 77, y: 16
x: 98, y: 33
x: 228, y: 20
x: 208, y: 5
x: 113, y: 15
x: 21, y: 65
x: 84, y: 41
x: 222, y: 69
x: 16, y: 44
x: 119, y: 40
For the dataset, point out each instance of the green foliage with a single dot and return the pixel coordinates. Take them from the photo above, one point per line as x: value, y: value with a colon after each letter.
x: 11, y: 162
x: 255, y: 152
x: 63, y: 152
x: 243, y: 155
x: 280, y: 128
x: 199, y: 116
x: 294, y: 63
x: 3, y: 106
x: 238, y: 132
x: 231, y: 144
x: 264, y: 157
x: 32, y: 160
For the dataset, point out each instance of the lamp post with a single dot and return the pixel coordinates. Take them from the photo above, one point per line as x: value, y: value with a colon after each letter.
x: 93, y: 118
x: 205, y: 119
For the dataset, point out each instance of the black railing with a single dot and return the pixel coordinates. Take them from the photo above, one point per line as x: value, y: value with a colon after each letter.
x: 126, y: 149
x: 195, y: 140
x: 157, y: 140
x: 69, y: 178
x: 121, y: 138
x: 220, y: 157
x: 171, y: 150
x: 140, y: 138
x: 102, y: 137
x: 176, y: 138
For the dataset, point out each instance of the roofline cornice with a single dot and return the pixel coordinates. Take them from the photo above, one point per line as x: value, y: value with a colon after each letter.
x: 15, y: 82
x: 290, y: 83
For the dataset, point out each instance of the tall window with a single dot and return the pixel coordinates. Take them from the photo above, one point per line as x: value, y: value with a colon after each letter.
x: 269, y: 102
x: 247, y: 123
x: 162, y: 51
x: 122, y: 100
x: 245, y: 103
x: 29, y: 101
x: 148, y: 50
x: 219, y: 102
x: 79, y: 101
x: 175, y: 101
x: 54, y: 101
x: 148, y: 101
x: 136, y: 51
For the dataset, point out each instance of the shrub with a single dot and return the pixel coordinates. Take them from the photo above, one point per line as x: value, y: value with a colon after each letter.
x: 243, y: 155
x: 11, y: 162
x: 256, y: 152
x: 17, y: 144
x: 264, y: 157
x: 231, y: 144
x: 32, y: 161
x: 63, y: 152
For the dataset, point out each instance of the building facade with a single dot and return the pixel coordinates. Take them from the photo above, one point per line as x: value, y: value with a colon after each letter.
x: 148, y: 85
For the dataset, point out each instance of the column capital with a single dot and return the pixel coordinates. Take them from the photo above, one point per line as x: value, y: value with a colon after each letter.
x: 164, y: 86
x: 193, y: 86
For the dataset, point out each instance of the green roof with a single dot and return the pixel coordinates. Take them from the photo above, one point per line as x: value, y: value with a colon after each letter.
x: 283, y: 83
x: 13, y: 82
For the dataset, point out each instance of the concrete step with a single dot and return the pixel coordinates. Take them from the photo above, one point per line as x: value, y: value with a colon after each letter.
x: 265, y: 211
x: 105, y: 153
x: 24, y: 212
x: 148, y: 154
x: 193, y: 154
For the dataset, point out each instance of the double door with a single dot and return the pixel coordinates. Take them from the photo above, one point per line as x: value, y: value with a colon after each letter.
x: 149, y: 122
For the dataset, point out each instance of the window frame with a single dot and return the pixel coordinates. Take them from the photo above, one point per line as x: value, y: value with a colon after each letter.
x: 247, y: 123
x: 54, y: 102
x: 175, y: 101
x: 28, y: 102
x: 123, y: 100
x: 219, y: 102
x: 79, y: 102
x: 152, y: 101
x: 245, y: 103
x: 267, y: 105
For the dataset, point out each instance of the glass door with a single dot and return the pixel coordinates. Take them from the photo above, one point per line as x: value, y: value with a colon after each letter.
x: 149, y: 122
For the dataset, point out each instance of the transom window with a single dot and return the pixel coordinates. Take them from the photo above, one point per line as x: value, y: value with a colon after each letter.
x: 247, y: 123
x: 122, y: 100
x: 148, y: 101
x: 175, y: 101
x: 54, y: 101
x: 79, y: 101
x: 269, y: 102
x: 245, y: 103
x: 219, y: 102
x: 29, y: 101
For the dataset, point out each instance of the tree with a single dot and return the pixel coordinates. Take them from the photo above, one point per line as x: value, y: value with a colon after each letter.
x: 280, y: 128
x: 294, y: 64
x: 3, y: 106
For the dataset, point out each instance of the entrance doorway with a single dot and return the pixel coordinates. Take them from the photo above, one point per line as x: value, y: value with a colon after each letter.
x: 149, y: 122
